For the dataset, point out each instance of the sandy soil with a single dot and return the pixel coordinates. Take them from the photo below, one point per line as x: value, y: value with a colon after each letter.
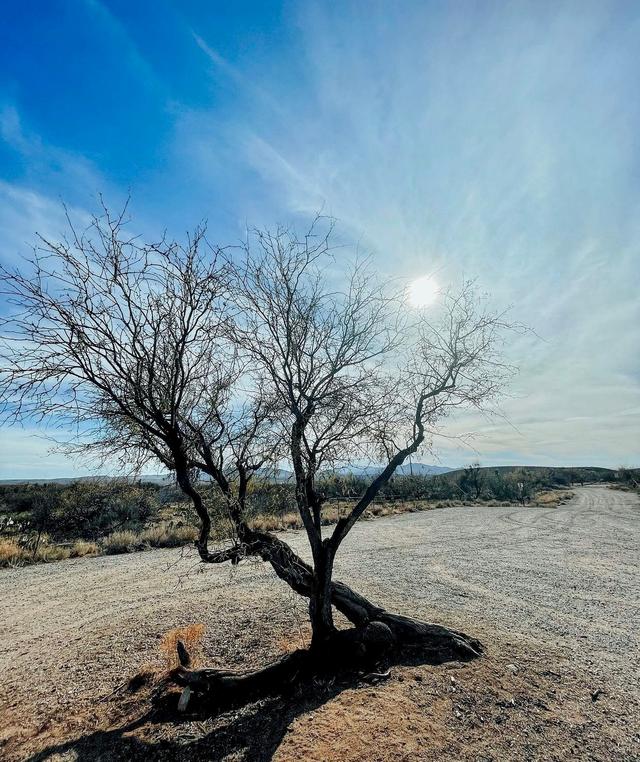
x: 552, y: 592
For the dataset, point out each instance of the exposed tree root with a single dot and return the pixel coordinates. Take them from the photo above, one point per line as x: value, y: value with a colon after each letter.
x: 377, y: 637
x: 359, y: 649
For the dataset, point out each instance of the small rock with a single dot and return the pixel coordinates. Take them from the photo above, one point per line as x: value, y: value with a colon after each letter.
x: 418, y: 677
x: 512, y: 668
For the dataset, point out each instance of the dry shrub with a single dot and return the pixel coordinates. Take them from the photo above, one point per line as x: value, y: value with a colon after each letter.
x: 153, y: 536
x: 291, y: 521
x: 551, y: 498
x: 191, y: 636
x: 263, y: 523
x: 183, y: 535
x: 379, y: 509
x: 123, y: 541
x: 11, y: 554
x: 174, y: 537
x: 84, y: 548
x: 52, y: 553
x: 272, y: 523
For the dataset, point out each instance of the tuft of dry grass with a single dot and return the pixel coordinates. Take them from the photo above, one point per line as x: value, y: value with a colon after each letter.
x: 84, y: 548
x: 191, y: 636
x: 52, y: 553
x: 552, y: 498
x: 11, y: 554
x: 122, y: 541
x: 161, y: 536
x: 167, y: 536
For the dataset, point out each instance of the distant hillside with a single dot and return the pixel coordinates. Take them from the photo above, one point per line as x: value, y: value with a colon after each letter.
x: 413, y: 469
x: 540, y: 469
x: 283, y: 475
x: 151, y: 478
x: 159, y: 479
x: 63, y: 480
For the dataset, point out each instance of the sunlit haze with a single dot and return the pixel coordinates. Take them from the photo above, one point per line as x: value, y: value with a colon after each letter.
x: 422, y: 292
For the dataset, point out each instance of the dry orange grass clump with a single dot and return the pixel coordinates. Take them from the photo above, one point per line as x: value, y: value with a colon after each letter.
x: 191, y: 636
x: 11, y: 554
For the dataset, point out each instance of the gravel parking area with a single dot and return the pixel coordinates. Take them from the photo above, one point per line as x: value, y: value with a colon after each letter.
x: 557, y: 586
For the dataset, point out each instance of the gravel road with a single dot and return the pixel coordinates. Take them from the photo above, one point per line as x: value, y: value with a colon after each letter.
x: 562, y: 578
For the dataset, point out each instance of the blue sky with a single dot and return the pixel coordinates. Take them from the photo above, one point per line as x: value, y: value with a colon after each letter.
x: 469, y: 139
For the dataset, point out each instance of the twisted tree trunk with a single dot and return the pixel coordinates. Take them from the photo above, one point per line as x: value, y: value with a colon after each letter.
x: 377, y: 634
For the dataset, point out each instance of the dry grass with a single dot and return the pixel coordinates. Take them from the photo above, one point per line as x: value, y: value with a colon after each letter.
x: 552, y: 498
x: 167, y: 536
x: 335, y: 511
x: 191, y: 636
x: 11, y: 554
x: 127, y: 541
x: 84, y: 548
x: 122, y: 541
x: 52, y: 553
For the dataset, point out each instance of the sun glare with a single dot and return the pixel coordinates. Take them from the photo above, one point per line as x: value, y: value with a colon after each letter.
x: 423, y: 292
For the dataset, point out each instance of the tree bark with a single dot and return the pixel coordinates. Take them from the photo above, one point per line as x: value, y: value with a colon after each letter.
x: 320, y: 608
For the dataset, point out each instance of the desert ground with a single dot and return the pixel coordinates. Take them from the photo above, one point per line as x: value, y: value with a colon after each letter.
x: 553, y: 593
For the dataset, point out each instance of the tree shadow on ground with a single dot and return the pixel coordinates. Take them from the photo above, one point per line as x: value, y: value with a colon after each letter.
x: 251, y: 730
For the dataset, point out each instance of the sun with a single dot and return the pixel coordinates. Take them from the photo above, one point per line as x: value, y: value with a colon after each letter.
x: 423, y: 292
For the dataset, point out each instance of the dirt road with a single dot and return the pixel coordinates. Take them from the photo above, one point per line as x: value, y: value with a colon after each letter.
x: 559, y: 581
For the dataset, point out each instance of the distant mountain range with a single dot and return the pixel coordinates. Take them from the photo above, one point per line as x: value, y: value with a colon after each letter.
x: 280, y: 475
x: 407, y: 469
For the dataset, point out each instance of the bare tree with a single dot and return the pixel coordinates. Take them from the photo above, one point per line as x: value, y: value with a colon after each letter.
x: 227, y: 363
x: 126, y: 344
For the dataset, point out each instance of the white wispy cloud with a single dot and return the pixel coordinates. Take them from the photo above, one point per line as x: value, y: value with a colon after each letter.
x: 494, y: 141
x: 497, y: 144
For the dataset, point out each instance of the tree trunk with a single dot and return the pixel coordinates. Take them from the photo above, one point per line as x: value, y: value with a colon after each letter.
x: 320, y: 608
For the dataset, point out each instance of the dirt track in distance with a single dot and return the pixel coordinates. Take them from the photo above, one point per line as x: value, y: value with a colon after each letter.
x: 553, y: 593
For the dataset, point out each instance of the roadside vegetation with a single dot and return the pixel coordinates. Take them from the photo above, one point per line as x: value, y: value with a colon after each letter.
x: 52, y: 522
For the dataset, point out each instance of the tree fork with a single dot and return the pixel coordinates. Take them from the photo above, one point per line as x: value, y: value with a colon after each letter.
x: 446, y: 643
